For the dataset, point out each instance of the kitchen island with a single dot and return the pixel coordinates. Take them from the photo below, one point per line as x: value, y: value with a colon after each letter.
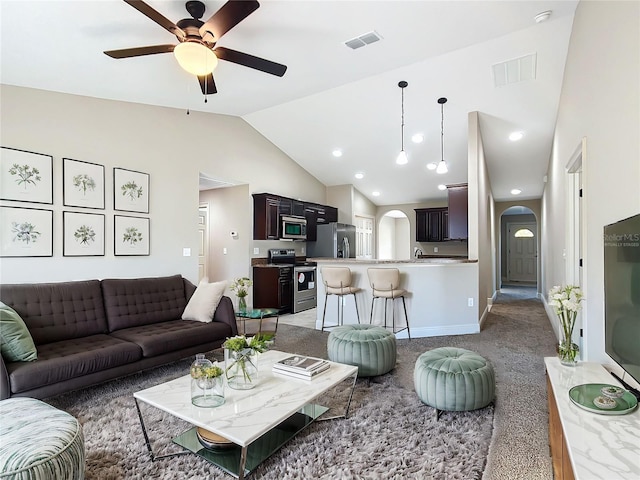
x: 442, y: 296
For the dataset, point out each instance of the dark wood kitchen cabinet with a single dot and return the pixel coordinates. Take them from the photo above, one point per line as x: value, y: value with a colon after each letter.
x: 266, y: 216
x: 432, y: 224
x: 458, y: 211
x: 311, y: 215
x: 273, y: 288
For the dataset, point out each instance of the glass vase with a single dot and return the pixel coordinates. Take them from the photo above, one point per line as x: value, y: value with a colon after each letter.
x: 568, y: 352
x: 205, y: 391
x: 242, y: 304
x: 241, y: 368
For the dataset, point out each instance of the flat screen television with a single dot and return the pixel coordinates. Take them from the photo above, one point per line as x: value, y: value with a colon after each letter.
x: 622, y: 294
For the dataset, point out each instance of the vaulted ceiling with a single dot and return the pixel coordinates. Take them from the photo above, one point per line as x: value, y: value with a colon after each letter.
x: 331, y: 97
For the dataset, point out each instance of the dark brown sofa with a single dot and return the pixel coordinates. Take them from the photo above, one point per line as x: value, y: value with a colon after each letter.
x: 87, y: 332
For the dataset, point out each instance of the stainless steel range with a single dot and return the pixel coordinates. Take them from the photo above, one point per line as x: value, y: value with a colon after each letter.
x: 304, y: 278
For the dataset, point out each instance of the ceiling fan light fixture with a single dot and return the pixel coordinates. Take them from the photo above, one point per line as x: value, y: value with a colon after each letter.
x: 195, y: 58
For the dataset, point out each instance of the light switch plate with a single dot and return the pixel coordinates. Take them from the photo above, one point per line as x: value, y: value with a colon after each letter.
x: 186, y: 252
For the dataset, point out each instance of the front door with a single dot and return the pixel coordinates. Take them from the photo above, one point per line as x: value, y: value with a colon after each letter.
x: 522, y: 252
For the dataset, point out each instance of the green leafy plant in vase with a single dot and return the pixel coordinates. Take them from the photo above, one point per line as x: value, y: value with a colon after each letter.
x: 241, y: 359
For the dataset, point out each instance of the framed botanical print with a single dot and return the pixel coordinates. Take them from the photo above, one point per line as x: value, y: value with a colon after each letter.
x: 26, y: 176
x: 130, y: 235
x: 82, y: 184
x: 130, y: 191
x: 26, y: 232
x: 83, y: 234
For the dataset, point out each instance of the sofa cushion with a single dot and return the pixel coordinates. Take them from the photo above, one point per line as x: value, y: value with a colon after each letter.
x: 143, y: 301
x: 204, y: 301
x: 62, y: 361
x: 16, y: 343
x: 58, y: 311
x: 171, y: 336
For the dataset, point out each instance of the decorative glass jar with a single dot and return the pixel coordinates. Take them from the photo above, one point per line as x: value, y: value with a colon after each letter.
x: 242, y: 304
x: 241, y: 368
x: 207, y: 384
x: 568, y: 352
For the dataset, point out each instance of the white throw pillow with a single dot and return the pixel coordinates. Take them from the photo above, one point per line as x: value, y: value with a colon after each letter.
x: 204, y: 301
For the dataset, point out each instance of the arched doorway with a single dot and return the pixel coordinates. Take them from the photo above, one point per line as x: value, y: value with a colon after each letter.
x: 394, y: 236
x: 518, y: 247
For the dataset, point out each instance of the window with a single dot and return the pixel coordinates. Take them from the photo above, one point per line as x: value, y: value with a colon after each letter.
x: 523, y: 233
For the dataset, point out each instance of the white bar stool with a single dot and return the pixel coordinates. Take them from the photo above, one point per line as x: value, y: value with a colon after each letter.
x: 337, y: 281
x: 385, y: 283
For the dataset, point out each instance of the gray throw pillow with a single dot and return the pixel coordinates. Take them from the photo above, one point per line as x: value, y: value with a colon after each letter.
x: 16, y: 343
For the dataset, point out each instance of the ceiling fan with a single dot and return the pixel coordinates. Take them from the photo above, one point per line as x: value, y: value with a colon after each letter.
x: 197, y: 51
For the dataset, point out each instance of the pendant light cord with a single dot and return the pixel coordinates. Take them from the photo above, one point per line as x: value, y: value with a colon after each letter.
x: 442, y: 132
x: 402, y: 125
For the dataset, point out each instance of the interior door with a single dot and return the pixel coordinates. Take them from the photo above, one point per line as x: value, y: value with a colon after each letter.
x: 522, y: 252
x: 203, y: 242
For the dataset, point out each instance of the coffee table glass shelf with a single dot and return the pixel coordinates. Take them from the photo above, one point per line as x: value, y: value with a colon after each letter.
x: 258, y: 421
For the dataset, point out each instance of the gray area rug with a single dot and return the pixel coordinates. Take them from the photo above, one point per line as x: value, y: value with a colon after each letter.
x: 389, y: 433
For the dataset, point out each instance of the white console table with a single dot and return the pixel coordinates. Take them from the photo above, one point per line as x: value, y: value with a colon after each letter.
x: 586, y: 445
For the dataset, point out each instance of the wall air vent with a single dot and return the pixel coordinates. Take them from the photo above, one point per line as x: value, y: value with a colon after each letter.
x: 364, y: 39
x: 513, y: 71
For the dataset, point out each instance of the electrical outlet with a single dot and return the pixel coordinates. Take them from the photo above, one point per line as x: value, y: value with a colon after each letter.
x: 470, y: 301
x: 224, y: 251
x: 186, y: 252
x: 302, y: 250
x: 435, y: 249
x: 256, y: 251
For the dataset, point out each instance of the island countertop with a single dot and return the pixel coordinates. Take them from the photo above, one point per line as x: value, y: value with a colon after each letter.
x: 375, y: 261
x: 441, y: 299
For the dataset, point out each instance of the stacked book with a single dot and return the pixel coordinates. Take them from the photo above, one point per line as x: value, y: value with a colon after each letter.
x: 299, y: 366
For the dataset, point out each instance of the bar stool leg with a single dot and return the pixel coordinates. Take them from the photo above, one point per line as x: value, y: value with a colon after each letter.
x: 356, y: 304
x: 371, y: 316
x: 406, y: 317
x: 324, y: 312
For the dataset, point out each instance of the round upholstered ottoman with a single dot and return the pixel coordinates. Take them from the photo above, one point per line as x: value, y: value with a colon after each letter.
x: 454, y: 379
x: 372, y: 349
x: 39, y: 442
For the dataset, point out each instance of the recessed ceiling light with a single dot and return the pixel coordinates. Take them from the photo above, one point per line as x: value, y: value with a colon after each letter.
x: 359, y: 175
x: 432, y: 166
x: 516, y: 191
x: 442, y: 187
x: 515, y: 136
x: 337, y: 153
x: 417, y: 138
x: 375, y: 194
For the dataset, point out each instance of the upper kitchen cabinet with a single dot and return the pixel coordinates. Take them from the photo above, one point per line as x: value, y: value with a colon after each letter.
x: 318, y: 215
x: 432, y: 224
x: 266, y: 215
x: 458, y: 211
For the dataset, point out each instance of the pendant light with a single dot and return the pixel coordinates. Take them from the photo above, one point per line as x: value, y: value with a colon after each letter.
x: 442, y: 166
x: 402, y: 156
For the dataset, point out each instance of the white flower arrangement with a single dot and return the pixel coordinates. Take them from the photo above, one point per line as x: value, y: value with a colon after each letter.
x: 566, y: 301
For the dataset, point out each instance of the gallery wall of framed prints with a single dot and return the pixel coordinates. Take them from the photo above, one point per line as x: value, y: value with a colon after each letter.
x: 29, y: 210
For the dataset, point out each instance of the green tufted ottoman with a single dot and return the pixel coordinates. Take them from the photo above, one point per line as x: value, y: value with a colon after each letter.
x: 39, y: 442
x: 372, y: 349
x: 454, y: 379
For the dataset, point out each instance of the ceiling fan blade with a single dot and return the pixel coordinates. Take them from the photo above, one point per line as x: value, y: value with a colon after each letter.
x: 250, y: 61
x: 160, y: 19
x: 207, y: 85
x: 140, y: 51
x: 227, y: 17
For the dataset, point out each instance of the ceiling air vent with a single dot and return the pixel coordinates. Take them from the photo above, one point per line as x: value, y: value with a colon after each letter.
x: 514, y: 71
x: 364, y: 39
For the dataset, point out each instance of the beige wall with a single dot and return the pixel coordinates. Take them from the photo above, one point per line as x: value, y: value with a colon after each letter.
x: 600, y: 101
x: 341, y: 197
x: 166, y: 143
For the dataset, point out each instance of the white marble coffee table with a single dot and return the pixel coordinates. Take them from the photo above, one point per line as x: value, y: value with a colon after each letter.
x: 259, y: 420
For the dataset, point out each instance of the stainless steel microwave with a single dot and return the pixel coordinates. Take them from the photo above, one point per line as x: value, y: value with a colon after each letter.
x: 293, y: 228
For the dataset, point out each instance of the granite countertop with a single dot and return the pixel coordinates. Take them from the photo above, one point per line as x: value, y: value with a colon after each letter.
x: 374, y: 261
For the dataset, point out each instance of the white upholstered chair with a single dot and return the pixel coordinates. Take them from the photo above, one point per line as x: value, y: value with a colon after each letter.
x: 385, y: 283
x: 337, y: 281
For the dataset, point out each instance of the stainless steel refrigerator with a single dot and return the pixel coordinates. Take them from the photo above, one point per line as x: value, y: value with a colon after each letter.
x: 334, y: 240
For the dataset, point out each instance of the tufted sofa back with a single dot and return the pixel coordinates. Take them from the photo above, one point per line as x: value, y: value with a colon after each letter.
x: 143, y: 301
x: 58, y: 311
